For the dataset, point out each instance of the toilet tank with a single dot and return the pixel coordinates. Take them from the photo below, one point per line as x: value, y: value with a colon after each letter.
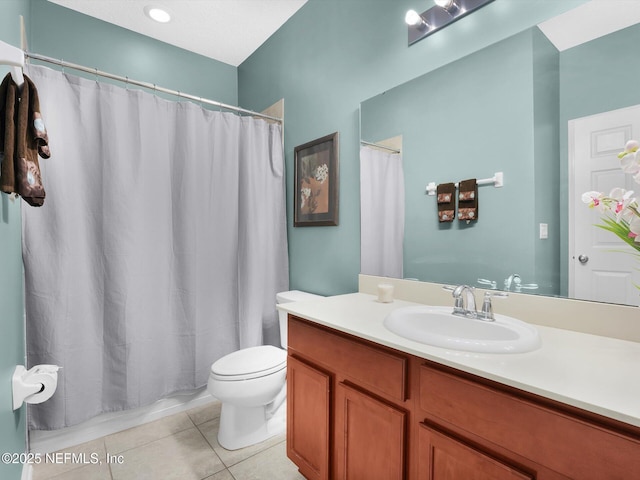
x: 286, y: 297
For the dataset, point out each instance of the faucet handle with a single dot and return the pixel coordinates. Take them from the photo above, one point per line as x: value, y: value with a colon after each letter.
x: 491, y: 283
x: 487, y: 309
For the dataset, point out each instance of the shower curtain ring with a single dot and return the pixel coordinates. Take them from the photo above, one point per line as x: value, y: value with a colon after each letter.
x: 62, y: 65
x: 126, y: 83
x: 96, y: 73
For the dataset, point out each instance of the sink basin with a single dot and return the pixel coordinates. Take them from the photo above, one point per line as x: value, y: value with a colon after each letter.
x: 437, y: 326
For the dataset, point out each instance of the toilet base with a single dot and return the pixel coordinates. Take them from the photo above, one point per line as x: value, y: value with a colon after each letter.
x: 242, y: 427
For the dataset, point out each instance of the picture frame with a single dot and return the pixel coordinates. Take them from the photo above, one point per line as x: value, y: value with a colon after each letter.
x: 316, y: 189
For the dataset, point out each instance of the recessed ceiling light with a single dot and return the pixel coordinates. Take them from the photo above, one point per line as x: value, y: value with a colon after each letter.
x: 158, y: 14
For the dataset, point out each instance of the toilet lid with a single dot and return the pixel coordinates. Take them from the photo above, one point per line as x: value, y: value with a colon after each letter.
x: 249, y: 363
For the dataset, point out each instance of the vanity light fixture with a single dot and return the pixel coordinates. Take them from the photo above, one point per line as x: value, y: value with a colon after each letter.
x: 439, y: 16
x: 158, y: 14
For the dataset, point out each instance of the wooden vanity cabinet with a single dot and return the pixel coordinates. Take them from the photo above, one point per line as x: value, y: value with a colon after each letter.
x: 537, y: 436
x: 308, y: 410
x: 361, y: 411
x: 350, y: 421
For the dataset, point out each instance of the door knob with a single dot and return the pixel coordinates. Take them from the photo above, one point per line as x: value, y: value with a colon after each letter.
x: 583, y: 259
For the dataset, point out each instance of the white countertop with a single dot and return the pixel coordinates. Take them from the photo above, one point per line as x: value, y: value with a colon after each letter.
x: 597, y: 374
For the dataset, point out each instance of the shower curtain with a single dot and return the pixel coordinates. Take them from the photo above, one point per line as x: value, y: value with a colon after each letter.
x: 381, y: 212
x: 160, y: 246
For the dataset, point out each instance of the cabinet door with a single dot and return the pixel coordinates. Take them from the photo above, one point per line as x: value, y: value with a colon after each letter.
x: 370, y: 438
x: 308, y: 402
x: 442, y: 457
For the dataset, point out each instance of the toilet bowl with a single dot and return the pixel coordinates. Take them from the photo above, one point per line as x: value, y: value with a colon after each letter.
x: 251, y: 385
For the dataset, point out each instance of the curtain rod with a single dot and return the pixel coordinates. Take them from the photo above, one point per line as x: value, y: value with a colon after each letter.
x: 377, y: 145
x: 150, y: 86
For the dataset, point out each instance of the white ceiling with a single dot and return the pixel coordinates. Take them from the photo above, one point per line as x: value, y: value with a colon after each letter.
x: 231, y: 30
x: 225, y: 30
x: 591, y: 20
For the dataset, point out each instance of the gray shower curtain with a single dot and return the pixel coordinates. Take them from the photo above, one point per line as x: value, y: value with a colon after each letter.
x: 160, y: 246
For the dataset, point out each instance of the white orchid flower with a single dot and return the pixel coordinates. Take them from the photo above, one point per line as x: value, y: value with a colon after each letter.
x: 593, y: 199
x: 630, y: 147
x: 621, y: 200
x: 630, y: 162
x: 634, y: 228
x: 620, y: 194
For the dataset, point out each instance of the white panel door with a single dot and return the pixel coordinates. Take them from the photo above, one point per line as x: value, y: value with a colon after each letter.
x: 598, y: 268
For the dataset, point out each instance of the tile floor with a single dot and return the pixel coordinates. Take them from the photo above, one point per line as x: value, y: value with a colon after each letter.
x: 183, y: 446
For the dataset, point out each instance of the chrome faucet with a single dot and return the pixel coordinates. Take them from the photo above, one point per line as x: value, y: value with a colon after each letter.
x: 465, y: 302
x: 513, y: 279
x: 462, y: 308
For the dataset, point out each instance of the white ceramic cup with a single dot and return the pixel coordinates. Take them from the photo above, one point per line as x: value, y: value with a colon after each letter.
x: 385, y: 293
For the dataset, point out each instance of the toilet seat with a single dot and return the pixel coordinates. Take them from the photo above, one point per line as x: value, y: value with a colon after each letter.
x: 248, y: 363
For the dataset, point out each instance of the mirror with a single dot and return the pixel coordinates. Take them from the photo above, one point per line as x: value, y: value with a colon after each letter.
x: 502, y: 109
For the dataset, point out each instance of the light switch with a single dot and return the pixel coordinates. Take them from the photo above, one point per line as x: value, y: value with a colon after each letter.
x: 544, y: 231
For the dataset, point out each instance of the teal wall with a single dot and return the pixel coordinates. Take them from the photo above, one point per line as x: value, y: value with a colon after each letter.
x: 332, y: 55
x: 487, y: 112
x: 595, y: 77
x: 546, y: 158
x: 12, y: 424
x: 62, y: 33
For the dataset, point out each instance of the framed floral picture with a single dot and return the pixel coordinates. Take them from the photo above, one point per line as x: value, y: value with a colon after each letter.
x: 316, y: 183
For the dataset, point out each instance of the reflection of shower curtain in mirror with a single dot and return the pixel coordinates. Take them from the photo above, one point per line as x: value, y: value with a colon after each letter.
x: 160, y: 248
x: 381, y: 212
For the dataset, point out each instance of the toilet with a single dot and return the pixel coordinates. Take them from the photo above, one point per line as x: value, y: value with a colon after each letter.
x: 250, y: 384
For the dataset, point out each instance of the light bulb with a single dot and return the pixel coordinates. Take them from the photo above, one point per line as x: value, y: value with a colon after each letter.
x: 449, y: 5
x: 413, y: 18
x: 157, y: 14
